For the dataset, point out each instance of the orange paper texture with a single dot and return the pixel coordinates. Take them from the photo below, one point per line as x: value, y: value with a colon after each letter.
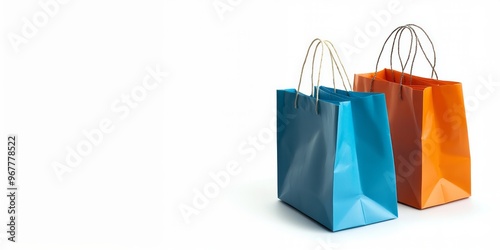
x: 429, y: 136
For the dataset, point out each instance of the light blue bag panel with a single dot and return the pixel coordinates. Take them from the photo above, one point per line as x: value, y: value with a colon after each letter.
x: 367, y: 128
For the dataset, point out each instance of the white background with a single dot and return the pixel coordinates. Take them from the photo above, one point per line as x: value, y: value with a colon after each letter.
x: 224, y: 68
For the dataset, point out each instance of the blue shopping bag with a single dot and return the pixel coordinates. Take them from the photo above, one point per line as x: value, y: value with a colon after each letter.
x: 335, y: 161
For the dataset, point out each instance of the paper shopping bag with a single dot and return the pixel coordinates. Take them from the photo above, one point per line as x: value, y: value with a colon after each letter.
x: 335, y: 161
x: 429, y: 136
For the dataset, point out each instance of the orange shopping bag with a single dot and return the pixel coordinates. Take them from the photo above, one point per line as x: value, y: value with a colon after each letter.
x: 428, y: 129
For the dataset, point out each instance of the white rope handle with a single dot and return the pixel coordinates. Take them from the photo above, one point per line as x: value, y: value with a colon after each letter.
x: 335, y: 61
x: 330, y: 48
x: 319, y: 41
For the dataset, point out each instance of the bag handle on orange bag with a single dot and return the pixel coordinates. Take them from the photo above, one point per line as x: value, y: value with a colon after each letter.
x: 398, y: 31
x: 395, y: 32
x: 417, y: 40
x: 397, y: 36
